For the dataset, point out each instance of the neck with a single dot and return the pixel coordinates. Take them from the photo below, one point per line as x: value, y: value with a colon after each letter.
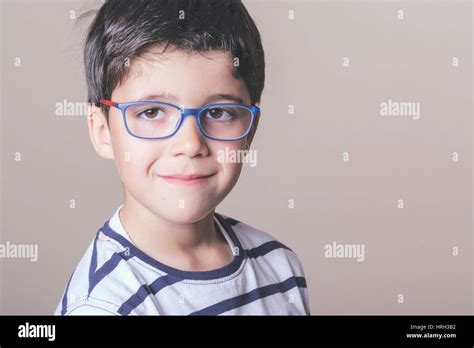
x: 191, y: 246
x: 141, y: 223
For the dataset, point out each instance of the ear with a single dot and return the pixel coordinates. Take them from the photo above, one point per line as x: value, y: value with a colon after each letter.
x: 252, y: 132
x: 99, y: 132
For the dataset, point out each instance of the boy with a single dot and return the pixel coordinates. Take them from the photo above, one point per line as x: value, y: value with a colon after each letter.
x: 149, y: 65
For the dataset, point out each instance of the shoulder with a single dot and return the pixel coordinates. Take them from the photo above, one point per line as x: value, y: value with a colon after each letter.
x: 91, y: 306
x: 259, y: 244
x: 92, y: 288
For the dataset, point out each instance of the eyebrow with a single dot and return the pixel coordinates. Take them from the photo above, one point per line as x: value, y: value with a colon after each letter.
x: 210, y: 99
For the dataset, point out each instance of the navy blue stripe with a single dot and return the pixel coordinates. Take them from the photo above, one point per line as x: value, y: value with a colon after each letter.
x: 232, y: 222
x: 144, y: 291
x: 64, y: 301
x: 93, y: 265
x: 261, y: 250
x: 252, y: 296
x: 265, y: 248
x: 107, y: 268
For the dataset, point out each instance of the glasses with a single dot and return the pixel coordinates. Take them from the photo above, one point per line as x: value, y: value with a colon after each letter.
x: 160, y: 120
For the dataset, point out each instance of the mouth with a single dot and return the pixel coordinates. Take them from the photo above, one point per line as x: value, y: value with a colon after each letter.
x: 187, y: 179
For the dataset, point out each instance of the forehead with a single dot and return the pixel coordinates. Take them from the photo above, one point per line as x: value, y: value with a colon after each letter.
x: 190, y: 76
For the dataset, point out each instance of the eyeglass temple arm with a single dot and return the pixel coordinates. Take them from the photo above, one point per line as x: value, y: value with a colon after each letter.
x: 108, y: 102
x: 257, y: 110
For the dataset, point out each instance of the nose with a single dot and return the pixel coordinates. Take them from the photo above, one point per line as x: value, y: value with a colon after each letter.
x: 188, y: 140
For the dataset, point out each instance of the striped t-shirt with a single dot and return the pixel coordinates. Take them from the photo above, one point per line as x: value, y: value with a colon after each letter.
x: 115, y: 277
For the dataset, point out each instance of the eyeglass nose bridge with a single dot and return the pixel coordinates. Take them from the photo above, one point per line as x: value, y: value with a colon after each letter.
x: 189, y: 112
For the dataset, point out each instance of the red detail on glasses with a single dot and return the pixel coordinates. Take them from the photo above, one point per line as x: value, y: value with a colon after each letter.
x: 107, y: 102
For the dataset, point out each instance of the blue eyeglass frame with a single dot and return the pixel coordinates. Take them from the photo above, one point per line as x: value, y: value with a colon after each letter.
x: 254, y: 109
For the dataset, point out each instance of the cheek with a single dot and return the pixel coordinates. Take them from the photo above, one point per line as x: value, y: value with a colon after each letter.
x: 230, y: 169
x: 231, y: 173
x: 133, y: 156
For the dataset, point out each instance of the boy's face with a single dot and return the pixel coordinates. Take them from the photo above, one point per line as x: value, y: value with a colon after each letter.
x: 182, y: 79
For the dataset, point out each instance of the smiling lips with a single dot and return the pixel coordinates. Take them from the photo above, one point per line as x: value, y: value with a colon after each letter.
x: 187, y: 179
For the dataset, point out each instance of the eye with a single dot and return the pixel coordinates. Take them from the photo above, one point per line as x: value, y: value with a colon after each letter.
x: 218, y: 114
x: 151, y: 114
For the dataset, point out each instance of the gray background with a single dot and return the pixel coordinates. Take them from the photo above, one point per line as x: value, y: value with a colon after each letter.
x: 407, y: 251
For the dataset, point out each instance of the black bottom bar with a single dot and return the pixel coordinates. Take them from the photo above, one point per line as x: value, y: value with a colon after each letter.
x: 138, y: 331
